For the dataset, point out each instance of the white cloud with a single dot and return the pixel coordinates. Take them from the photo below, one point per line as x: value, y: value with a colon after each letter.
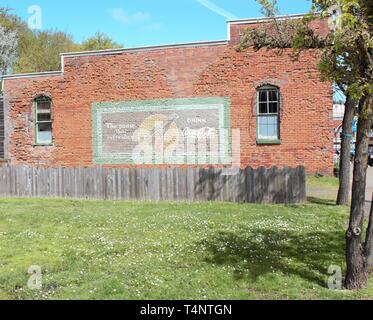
x: 216, y: 9
x: 154, y: 27
x: 126, y: 18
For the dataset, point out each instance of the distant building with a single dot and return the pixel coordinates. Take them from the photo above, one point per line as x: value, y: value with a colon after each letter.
x: 338, y: 113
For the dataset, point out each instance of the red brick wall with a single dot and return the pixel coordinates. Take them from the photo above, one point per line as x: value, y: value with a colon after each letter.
x: 200, y: 71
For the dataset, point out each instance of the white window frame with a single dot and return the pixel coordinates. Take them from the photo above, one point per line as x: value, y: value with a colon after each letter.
x: 261, y: 139
x: 38, y: 100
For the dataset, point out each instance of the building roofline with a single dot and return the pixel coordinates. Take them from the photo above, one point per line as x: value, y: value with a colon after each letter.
x: 144, y: 48
x: 111, y: 52
x: 32, y: 75
x: 266, y: 19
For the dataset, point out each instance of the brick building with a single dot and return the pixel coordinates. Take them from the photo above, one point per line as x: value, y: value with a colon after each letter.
x: 90, y: 112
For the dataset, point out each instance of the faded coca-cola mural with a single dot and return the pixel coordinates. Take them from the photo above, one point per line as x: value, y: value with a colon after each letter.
x: 171, y: 131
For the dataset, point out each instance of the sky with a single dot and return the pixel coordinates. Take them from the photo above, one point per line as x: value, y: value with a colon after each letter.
x: 138, y: 23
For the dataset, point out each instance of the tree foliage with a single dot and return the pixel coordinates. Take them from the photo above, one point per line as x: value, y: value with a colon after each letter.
x: 39, y: 51
x: 25, y: 36
x: 42, y: 52
x: 100, y: 41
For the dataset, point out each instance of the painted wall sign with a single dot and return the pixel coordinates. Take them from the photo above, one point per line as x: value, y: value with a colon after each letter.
x: 170, y: 131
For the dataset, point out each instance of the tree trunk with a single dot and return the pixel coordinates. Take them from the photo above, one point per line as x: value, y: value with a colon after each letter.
x: 368, y: 247
x: 345, y: 155
x: 356, y: 255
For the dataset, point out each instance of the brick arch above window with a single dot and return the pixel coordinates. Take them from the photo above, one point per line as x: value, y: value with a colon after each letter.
x: 269, y: 82
x: 42, y: 95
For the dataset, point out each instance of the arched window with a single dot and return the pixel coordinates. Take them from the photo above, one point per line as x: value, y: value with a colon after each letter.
x: 268, y: 114
x: 43, y: 120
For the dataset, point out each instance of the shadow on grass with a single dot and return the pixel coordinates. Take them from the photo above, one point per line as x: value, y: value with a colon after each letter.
x: 261, y: 251
x: 325, y: 202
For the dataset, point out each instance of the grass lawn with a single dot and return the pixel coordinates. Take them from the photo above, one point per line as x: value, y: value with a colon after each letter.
x: 125, y: 250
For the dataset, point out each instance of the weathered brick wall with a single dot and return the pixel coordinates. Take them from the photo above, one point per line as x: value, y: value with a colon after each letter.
x: 200, y: 71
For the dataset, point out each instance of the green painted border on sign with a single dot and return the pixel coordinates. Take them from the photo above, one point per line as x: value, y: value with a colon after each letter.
x: 156, y: 105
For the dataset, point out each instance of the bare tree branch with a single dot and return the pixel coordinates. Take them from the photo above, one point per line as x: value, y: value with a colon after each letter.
x: 8, y: 48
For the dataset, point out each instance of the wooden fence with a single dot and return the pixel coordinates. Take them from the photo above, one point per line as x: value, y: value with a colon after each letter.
x: 261, y: 185
x: 2, y: 135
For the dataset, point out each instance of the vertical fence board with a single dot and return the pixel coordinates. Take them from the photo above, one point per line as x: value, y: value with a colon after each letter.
x: 2, y: 128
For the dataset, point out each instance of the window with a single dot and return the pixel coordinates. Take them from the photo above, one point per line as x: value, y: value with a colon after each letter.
x: 268, y: 130
x: 43, y: 121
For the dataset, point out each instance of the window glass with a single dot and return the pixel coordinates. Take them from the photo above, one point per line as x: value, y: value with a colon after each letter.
x: 273, y: 95
x: 263, y: 96
x: 263, y: 108
x: 268, y: 127
x: 44, y: 133
x: 273, y: 107
x: 44, y: 116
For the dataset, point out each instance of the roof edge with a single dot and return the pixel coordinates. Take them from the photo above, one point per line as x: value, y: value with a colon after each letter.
x: 265, y: 19
x: 145, y: 48
x: 32, y: 75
